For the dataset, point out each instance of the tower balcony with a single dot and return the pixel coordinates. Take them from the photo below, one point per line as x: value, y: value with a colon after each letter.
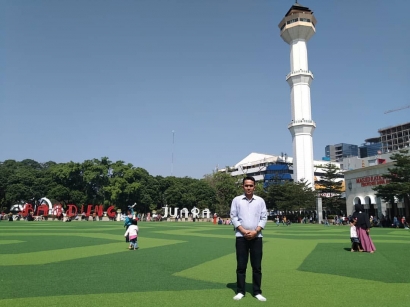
x: 302, y: 122
x: 299, y: 72
x: 297, y: 30
x: 303, y: 127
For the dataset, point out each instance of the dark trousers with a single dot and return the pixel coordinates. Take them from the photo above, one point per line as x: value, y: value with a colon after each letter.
x: 127, y: 238
x: 244, y: 248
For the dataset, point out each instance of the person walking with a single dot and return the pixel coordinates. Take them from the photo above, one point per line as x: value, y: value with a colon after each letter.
x: 249, y: 216
x: 132, y: 234
x: 354, y: 238
x: 363, y: 229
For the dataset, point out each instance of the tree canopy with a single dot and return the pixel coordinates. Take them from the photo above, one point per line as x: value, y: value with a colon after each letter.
x: 101, y: 181
x: 330, y: 187
x: 398, y: 186
x: 290, y: 196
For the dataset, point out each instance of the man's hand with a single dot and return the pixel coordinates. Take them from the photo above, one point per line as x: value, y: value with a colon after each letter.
x: 251, y: 234
x: 248, y: 234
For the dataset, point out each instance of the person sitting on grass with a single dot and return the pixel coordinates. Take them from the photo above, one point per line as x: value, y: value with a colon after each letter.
x: 30, y: 216
x: 354, y: 238
x: 132, y: 233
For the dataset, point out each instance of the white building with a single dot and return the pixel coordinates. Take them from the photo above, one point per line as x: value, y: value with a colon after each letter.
x: 255, y: 165
x: 296, y: 28
x: 361, y: 176
x: 359, y: 189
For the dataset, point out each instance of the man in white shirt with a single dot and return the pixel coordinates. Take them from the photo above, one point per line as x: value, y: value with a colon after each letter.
x: 249, y: 216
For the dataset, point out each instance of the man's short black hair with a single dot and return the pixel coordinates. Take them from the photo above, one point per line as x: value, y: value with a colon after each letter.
x: 248, y: 178
x: 134, y: 222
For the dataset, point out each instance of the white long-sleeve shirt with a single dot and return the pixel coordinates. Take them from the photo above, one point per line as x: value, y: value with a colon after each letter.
x: 132, y: 231
x: 248, y: 213
x: 353, y: 232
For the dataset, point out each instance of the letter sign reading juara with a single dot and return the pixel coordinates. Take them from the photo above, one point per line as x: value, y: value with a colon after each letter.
x: 195, y: 212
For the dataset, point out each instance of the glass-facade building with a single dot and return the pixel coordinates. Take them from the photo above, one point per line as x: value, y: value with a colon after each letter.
x: 339, y: 151
x: 371, y: 147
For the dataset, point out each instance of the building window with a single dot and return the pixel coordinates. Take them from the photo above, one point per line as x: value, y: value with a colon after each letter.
x: 292, y: 21
x: 372, y: 162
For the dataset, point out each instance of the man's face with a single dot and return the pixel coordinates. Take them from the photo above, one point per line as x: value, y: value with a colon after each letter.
x: 248, y: 187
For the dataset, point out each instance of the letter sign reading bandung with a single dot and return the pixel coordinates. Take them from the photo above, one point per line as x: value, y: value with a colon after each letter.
x: 71, y: 211
x: 371, y: 181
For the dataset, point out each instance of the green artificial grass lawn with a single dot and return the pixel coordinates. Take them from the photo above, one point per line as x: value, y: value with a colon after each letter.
x: 193, y: 264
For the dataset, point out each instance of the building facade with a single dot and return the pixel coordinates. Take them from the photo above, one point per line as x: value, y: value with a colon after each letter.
x: 371, y: 147
x: 360, y: 184
x: 342, y: 150
x: 395, y: 137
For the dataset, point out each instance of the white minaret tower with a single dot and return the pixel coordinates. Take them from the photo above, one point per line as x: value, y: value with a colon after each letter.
x: 296, y: 28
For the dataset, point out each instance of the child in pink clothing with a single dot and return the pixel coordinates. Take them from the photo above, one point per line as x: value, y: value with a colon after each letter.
x: 354, y: 238
x: 132, y: 232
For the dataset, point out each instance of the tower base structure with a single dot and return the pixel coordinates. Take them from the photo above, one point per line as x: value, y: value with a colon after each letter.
x: 302, y: 141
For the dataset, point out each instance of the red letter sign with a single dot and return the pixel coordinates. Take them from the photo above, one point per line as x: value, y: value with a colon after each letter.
x: 71, y: 210
x: 99, y: 210
x: 111, y: 211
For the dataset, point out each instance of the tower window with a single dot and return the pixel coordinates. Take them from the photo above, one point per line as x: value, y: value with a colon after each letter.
x: 292, y: 21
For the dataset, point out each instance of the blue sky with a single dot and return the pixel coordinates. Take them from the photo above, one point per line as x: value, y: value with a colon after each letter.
x: 83, y: 79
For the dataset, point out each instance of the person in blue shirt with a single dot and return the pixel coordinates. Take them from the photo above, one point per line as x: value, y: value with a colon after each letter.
x: 128, y: 221
x: 249, y: 216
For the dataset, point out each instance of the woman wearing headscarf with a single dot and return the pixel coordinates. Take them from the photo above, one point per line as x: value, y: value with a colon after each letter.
x: 363, y: 229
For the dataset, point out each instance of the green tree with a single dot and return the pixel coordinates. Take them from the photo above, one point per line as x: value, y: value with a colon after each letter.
x: 330, y: 187
x: 69, y: 187
x: 125, y: 184
x: 398, y: 178
x: 260, y: 190
x: 25, y: 181
x: 204, y: 194
x: 100, y: 181
x: 95, y: 176
x: 149, y: 195
x: 290, y: 196
x: 225, y: 188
